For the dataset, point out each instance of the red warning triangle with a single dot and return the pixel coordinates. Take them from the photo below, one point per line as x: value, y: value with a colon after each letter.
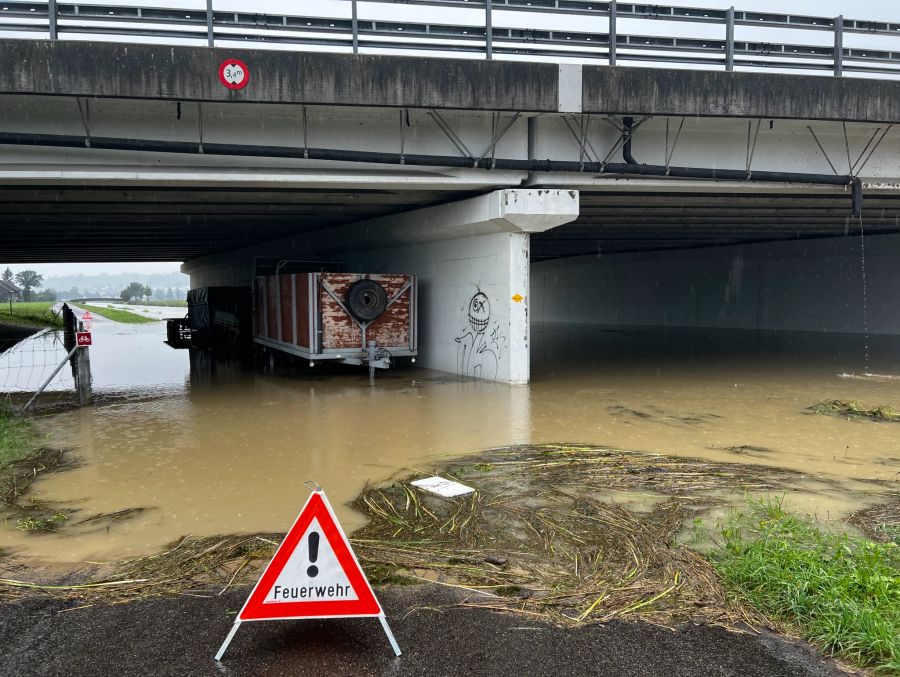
x: 314, y: 573
x: 87, y: 316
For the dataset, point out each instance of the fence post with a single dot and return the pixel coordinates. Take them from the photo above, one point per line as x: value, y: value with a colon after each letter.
x: 51, y: 11
x: 839, y: 45
x: 354, y: 26
x: 69, y: 327
x: 210, y: 36
x: 488, y: 31
x: 612, y: 32
x: 83, y: 373
x: 729, y: 39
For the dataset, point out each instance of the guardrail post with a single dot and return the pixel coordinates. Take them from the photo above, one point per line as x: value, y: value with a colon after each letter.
x: 354, y: 26
x: 729, y: 39
x: 488, y: 31
x: 839, y: 45
x: 210, y: 38
x: 51, y: 11
x: 612, y: 32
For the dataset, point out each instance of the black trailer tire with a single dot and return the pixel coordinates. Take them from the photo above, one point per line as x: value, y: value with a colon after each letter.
x: 366, y: 300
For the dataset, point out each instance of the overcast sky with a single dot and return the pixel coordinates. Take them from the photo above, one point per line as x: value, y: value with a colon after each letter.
x: 57, y: 269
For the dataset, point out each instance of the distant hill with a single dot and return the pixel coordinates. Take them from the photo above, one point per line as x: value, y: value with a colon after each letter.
x: 110, y: 284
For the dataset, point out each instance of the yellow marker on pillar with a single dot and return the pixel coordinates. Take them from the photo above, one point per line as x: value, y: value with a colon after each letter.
x: 518, y: 298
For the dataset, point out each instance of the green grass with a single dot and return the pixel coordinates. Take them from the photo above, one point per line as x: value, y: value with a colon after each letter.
x: 50, y: 523
x: 16, y: 436
x: 839, y: 591
x: 31, y: 313
x: 116, y: 315
x: 164, y: 304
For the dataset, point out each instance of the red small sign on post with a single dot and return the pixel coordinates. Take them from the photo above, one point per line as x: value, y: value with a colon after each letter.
x: 314, y: 574
x: 83, y: 338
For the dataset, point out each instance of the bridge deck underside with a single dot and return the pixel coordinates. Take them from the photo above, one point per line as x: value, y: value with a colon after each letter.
x: 44, y: 224
x: 90, y: 223
x: 625, y: 222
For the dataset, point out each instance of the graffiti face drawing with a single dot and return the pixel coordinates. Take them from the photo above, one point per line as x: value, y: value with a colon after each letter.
x: 479, y: 313
x: 480, y: 341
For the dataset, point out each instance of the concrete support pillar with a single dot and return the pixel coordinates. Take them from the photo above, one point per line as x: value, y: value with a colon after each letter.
x: 473, y: 302
x: 473, y: 288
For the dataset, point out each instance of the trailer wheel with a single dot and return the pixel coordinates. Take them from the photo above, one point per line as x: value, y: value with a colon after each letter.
x: 366, y: 300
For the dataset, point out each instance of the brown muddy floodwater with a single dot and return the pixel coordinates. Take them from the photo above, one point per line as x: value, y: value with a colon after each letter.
x: 229, y: 452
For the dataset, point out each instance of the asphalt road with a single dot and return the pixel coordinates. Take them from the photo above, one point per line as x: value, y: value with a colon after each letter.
x: 179, y: 636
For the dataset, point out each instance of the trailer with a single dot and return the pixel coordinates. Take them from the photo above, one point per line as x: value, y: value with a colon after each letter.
x: 352, y: 318
x: 219, y: 318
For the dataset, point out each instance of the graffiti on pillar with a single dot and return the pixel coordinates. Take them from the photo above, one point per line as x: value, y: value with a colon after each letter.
x: 480, y: 341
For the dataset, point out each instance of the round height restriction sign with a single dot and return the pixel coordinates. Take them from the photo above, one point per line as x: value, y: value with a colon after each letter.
x: 234, y: 74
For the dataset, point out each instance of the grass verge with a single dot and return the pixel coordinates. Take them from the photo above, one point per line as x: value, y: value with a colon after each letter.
x: 16, y: 437
x: 22, y: 461
x: 839, y: 591
x: 116, y: 315
x: 30, y: 313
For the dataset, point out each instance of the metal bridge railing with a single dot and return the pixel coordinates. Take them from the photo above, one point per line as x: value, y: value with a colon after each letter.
x: 559, y: 30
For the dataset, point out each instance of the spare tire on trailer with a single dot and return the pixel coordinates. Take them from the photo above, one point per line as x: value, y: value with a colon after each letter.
x: 366, y: 300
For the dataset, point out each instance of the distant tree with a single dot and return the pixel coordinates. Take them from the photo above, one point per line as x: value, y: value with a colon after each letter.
x: 7, y: 275
x: 147, y: 292
x: 73, y: 293
x: 46, y: 295
x: 159, y: 294
x: 135, y: 290
x: 28, y: 280
x: 170, y: 295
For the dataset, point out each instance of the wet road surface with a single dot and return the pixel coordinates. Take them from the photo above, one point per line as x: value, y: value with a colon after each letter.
x: 179, y: 636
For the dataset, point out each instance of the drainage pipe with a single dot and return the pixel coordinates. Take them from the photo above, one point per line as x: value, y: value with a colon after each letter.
x: 627, y: 124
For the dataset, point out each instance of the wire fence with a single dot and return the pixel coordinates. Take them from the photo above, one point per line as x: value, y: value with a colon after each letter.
x: 25, y: 367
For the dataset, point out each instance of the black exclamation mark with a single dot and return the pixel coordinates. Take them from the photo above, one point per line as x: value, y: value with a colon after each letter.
x: 313, y: 570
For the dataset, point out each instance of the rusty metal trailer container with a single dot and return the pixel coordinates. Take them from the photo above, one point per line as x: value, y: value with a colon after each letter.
x: 354, y: 318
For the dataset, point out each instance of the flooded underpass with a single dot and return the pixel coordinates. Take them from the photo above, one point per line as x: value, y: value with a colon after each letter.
x: 228, y: 450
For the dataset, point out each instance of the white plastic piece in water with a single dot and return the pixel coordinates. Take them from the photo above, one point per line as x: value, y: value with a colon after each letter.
x: 870, y: 376
x: 442, y: 487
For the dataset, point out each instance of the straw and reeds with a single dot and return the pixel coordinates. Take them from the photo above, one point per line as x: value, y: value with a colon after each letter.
x: 855, y: 409
x: 879, y: 522
x: 192, y: 566
x: 542, y: 536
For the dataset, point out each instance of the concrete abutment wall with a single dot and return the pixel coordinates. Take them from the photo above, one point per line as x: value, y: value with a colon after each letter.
x: 801, y: 285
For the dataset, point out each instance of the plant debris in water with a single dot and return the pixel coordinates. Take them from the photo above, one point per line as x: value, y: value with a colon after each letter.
x: 17, y: 476
x: 537, y: 535
x: 745, y: 449
x: 50, y: 523
x: 192, y: 566
x: 879, y: 522
x: 856, y: 409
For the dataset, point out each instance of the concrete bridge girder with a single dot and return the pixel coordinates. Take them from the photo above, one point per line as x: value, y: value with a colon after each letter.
x: 96, y: 69
x: 733, y: 143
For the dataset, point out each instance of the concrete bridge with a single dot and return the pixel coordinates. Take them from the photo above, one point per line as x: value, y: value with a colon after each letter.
x: 564, y: 192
